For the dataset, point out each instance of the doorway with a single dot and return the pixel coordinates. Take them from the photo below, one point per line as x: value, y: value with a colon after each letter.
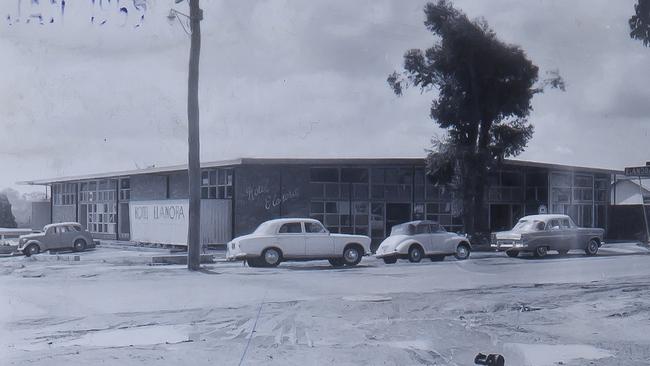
x: 503, y: 217
x: 397, y: 213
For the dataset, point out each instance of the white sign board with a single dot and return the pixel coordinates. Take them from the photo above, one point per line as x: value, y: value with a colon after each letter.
x: 163, y: 221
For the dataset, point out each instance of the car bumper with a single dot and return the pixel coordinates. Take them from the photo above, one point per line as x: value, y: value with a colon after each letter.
x: 387, y: 253
x: 504, y: 246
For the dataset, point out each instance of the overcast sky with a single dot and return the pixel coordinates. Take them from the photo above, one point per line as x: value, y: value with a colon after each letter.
x: 293, y: 79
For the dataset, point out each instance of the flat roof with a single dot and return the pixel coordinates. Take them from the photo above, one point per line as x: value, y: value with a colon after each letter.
x: 299, y: 161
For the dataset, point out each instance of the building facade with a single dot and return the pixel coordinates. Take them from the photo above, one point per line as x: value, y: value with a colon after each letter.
x: 359, y: 196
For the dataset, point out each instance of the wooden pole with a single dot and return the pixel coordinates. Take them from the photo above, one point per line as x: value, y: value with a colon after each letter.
x: 194, y: 149
x: 645, y: 218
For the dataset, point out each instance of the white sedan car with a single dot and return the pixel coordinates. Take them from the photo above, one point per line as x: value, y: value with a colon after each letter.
x: 280, y: 240
x: 417, y: 239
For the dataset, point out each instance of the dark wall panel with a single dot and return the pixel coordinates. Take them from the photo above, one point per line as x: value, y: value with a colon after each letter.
x: 267, y: 192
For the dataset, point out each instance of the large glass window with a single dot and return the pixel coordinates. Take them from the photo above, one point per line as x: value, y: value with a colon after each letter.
x: 216, y: 183
x: 64, y: 194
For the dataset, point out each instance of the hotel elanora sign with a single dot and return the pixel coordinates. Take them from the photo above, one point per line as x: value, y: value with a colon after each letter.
x: 163, y: 221
x: 164, y: 212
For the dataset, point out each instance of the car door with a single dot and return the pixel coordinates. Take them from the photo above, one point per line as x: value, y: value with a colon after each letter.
x: 291, y: 239
x: 318, y: 241
x: 571, y: 238
x: 556, y: 235
x: 422, y: 235
x: 50, y: 240
x: 439, y: 240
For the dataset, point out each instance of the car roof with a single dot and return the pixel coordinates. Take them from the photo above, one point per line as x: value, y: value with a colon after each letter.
x: 418, y: 222
x: 544, y: 217
x: 286, y: 220
x: 61, y: 224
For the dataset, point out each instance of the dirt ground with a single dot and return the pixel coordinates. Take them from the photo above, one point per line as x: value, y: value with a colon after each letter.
x: 111, y: 308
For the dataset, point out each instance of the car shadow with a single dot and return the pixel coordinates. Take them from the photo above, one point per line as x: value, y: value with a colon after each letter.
x: 320, y: 267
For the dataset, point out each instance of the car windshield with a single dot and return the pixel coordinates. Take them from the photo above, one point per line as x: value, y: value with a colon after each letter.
x: 529, y: 225
x: 404, y: 229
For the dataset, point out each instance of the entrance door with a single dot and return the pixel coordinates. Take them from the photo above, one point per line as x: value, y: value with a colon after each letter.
x: 124, y: 224
x: 500, y: 218
x: 397, y: 213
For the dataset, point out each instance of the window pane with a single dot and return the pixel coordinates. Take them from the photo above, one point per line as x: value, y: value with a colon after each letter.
x: 205, y: 178
x: 354, y: 175
x: 330, y: 207
x: 213, y: 177
x: 324, y: 174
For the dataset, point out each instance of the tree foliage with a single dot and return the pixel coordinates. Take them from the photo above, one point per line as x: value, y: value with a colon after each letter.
x: 484, y: 89
x: 7, y: 219
x: 640, y: 22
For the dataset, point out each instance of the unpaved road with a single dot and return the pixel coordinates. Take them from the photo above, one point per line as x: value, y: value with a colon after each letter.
x: 110, y: 308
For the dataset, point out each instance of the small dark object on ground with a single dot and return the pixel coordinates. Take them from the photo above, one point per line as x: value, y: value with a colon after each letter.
x: 489, y: 360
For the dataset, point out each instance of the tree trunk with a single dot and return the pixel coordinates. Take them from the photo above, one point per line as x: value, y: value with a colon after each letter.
x: 194, y: 148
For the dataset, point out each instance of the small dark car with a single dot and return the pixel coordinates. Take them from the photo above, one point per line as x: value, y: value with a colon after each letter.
x: 538, y: 234
x: 65, y: 235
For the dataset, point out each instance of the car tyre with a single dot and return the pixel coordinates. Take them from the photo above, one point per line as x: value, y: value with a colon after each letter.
x: 352, y: 255
x: 437, y: 258
x: 336, y: 262
x: 512, y: 253
x: 540, y: 252
x: 271, y: 257
x: 592, y: 247
x: 415, y: 254
x: 462, y: 252
x: 79, y: 245
x: 31, y: 249
x: 390, y: 260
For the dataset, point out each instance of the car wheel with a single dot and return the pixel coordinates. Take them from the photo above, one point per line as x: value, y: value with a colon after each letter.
x: 390, y: 260
x: 437, y: 258
x: 79, y: 245
x: 352, y: 255
x: 462, y: 252
x: 592, y: 247
x: 31, y: 249
x: 563, y: 252
x: 512, y: 253
x: 415, y: 254
x: 271, y: 257
x: 540, y: 252
x: 336, y: 262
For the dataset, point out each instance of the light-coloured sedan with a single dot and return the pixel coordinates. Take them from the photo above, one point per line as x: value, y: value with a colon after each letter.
x: 281, y: 240
x: 418, y: 239
x: 65, y: 235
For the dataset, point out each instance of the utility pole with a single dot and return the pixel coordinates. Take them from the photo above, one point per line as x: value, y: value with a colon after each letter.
x: 194, y: 148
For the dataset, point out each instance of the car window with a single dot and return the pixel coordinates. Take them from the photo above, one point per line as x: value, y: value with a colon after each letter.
x: 554, y: 225
x: 60, y: 229
x: 422, y: 229
x: 541, y: 225
x: 314, y: 227
x: 72, y: 228
x: 291, y: 228
x: 565, y: 224
x: 436, y: 228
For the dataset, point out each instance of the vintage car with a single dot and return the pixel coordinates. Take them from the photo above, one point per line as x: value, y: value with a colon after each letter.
x: 538, y: 234
x: 417, y: 239
x: 281, y: 240
x: 65, y: 235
